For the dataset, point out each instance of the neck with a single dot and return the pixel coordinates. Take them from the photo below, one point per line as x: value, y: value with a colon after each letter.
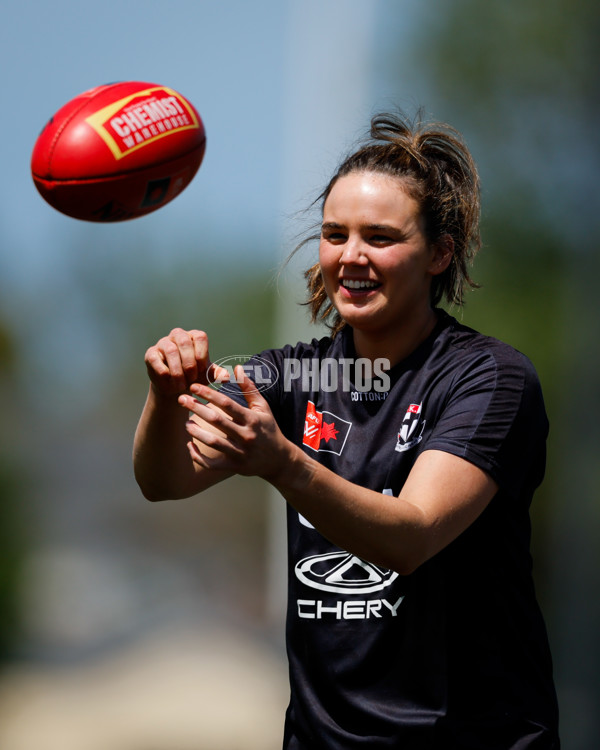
x: 399, y: 344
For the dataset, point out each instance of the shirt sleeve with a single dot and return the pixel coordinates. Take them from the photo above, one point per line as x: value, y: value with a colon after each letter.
x: 494, y: 417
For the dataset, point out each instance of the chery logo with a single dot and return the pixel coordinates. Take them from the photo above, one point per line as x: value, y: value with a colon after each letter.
x: 343, y: 573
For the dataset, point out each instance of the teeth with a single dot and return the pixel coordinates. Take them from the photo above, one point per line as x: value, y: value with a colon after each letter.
x: 351, y: 284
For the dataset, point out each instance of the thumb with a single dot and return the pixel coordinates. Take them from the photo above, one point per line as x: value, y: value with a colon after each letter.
x: 249, y: 389
x: 217, y: 374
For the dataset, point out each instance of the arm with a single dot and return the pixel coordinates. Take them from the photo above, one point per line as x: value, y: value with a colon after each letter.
x: 442, y: 496
x: 161, y: 460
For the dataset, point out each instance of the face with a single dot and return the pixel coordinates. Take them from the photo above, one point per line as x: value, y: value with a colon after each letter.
x: 376, y: 262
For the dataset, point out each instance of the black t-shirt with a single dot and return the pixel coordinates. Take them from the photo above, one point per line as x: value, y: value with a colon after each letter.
x: 455, y: 655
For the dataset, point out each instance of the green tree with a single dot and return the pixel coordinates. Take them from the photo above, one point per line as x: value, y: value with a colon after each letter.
x: 12, y: 540
x: 520, y: 80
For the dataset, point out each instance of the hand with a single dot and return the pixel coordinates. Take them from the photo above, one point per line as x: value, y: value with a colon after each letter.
x: 242, y: 440
x: 180, y: 359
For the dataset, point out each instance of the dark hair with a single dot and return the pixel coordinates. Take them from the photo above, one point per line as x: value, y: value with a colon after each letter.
x: 439, y: 173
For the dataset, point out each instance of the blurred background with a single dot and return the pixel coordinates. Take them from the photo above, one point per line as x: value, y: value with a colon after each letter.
x: 131, y: 626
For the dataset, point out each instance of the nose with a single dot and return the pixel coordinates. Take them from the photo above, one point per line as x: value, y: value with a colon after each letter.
x: 353, y: 253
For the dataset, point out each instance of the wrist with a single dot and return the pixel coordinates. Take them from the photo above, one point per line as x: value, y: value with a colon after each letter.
x: 161, y: 398
x: 163, y: 408
x: 292, y: 472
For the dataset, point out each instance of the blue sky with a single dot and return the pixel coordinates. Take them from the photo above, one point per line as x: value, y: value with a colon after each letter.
x: 283, y: 88
x: 223, y: 58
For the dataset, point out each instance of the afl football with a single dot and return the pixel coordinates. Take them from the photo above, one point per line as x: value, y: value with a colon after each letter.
x: 118, y: 151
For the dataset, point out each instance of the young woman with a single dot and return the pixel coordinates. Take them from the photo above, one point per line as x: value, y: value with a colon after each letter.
x: 408, y: 448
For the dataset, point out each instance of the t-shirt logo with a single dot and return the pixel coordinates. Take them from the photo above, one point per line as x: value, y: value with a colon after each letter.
x: 343, y: 573
x: 324, y: 431
x: 411, y: 430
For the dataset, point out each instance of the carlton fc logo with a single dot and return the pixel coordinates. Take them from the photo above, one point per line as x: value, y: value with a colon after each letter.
x: 411, y: 430
x: 343, y: 573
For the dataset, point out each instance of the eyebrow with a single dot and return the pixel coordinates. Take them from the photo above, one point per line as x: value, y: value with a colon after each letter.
x: 371, y: 227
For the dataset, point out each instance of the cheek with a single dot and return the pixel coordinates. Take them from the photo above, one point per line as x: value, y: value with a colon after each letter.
x: 327, y: 259
x: 411, y: 262
x: 324, y: 253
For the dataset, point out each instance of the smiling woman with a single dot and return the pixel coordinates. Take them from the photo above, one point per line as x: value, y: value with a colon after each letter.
x: 377, y: 265
x: 412, y: 619
x: 432, y: 166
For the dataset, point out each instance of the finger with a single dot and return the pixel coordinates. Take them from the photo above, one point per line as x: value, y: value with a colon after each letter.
x: 155, y: 362
x: 199, y: 341
x: 197, y: 456
x: 212, y: 416
x: 173, y: 379
x: 206, y: 370
x: 253, y: 397
x: 214, y: 441
x: 215, y: 462
x: 166, y: 376
x: 206, y: 462
x: 237, y: 412
x: 181, y: 353
x: 217, y: 374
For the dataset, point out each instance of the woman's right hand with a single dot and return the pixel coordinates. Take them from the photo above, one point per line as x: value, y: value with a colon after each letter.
x: 180, y: 359
x: 161, y: 459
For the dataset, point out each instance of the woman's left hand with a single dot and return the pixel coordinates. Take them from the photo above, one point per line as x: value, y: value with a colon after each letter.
x: 242, y: 440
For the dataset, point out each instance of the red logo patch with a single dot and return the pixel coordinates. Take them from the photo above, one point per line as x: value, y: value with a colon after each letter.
x: 324, y: 431
x: 142, y: 118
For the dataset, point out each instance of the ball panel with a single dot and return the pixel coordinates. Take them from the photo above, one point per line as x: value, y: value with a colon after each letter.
x: 117, y: 137
x: 121, y: 197
x: 43, y: 150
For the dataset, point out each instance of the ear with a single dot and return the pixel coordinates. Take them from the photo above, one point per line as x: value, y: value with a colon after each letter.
x: 443, y: 250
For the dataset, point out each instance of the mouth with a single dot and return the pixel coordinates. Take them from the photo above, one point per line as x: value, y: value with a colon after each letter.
x: 354, y: 287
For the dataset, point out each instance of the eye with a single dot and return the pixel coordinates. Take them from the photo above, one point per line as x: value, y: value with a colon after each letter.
x: 381, y: 239
x: 334, y: 236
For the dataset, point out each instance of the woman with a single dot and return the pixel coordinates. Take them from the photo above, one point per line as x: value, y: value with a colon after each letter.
x: 412, y: 619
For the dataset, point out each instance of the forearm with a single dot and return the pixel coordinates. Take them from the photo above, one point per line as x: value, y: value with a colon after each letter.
x: 442, y: 496
x: 388, y: 531
x: 161, y: 460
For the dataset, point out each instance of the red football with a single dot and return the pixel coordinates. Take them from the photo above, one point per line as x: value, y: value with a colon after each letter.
x: 118, y: 151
